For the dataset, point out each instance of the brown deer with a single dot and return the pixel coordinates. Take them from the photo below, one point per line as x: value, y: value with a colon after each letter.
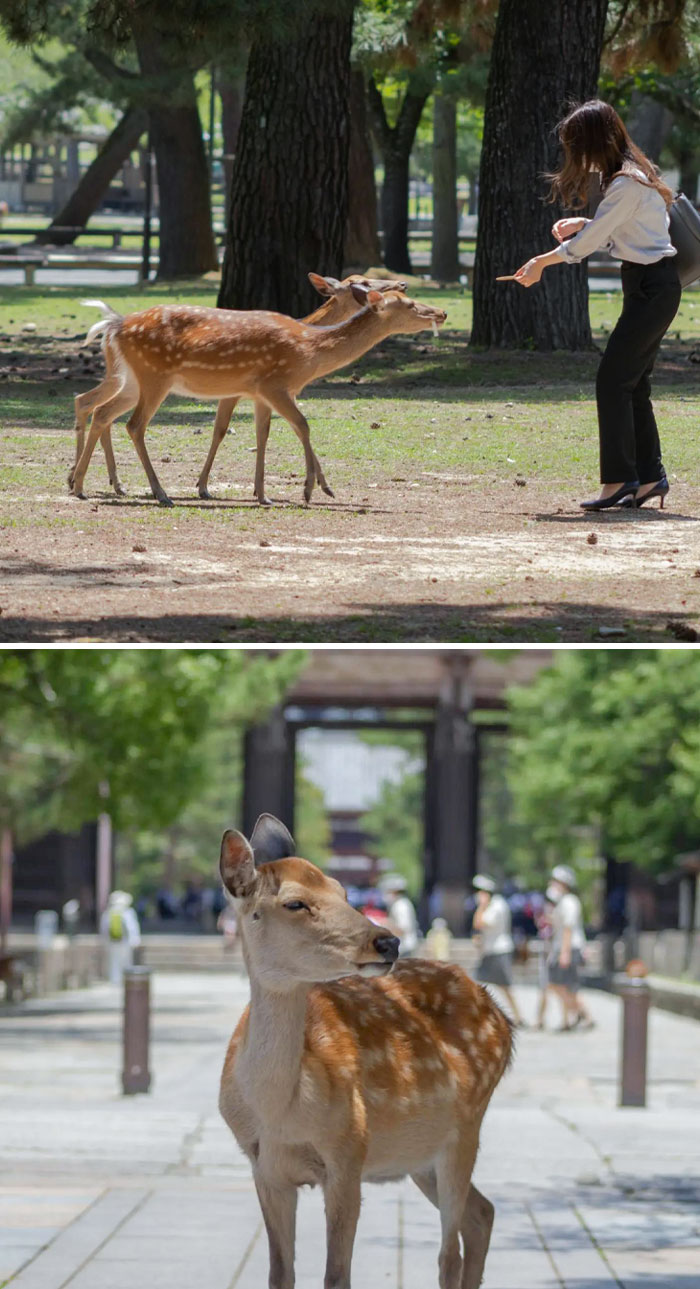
x: 228, y: 354
x: 339, y: 303
x: 343, y: 1070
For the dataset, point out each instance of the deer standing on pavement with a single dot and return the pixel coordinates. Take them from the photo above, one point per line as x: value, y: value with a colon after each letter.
x: 227, y: 354
x: 343, y: 1070
x: 339, y: 303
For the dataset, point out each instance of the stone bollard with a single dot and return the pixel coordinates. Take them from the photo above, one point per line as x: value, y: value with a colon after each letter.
x: 136, y: 1075
x: 636, y: 995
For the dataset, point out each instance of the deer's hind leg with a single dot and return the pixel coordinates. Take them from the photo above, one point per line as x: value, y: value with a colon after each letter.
x: 464, y: 1212
x: 84, y: 405
x: 102, y: 419
x: 224, y: 412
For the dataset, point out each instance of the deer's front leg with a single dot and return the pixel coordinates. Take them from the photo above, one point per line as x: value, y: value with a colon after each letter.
x: 342, y: 1196
x: 279, y: 1208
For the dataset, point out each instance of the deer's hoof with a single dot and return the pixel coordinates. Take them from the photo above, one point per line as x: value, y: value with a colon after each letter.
x: 264, y: 501
x: 205, y: 494
x: 165, y: 502
x: 328, y: 491
x: 119, y: 491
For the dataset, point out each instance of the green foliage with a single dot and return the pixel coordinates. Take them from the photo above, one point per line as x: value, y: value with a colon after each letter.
x: 312, y: 832
x: 605, y: 755
x: 126, y: 731
x: 395, y: 821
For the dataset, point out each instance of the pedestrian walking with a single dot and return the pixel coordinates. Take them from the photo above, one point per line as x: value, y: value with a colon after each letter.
x: 121, y: 934
x: 492, y: 922
x: 401, y: 913
x: 568, y: 943
x: 632, y: 224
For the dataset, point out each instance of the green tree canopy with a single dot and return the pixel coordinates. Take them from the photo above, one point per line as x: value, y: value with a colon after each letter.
x: 606, y: 744
x: 123, y: 730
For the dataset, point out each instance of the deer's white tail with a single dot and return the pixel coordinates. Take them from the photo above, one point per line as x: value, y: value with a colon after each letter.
x: 105, y: 324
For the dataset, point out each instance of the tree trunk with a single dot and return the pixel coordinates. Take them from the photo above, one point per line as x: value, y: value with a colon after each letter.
x: 187, y: 247
x: 89, y: 192
x: 396, y: 144
x: 445, y: 254
x: 231, y: 91
x: 649, y: 122
x: 689, y: 165
x: 361, y: 236
x: 542, y: 57
x: 290, y: 176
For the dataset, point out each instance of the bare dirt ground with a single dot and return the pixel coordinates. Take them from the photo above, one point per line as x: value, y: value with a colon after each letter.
x: 448, y: 559
x: 436, y: 532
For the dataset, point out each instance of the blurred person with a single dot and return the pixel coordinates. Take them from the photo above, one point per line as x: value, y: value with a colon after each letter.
x: 543, y: 920
x: 402, y: 914
x: 227, y: 924
x: 568, y: 943
x: 438, y: 940
x: 492, y: 923
x: 121, y: 934
x: 373, y: 907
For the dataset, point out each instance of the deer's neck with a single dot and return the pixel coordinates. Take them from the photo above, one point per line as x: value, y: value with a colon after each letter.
x: 270, y: 1064
x: 335, y: 347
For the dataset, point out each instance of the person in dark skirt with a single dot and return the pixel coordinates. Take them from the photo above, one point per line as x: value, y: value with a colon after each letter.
x: 632, y: 223
x: 493, y: 924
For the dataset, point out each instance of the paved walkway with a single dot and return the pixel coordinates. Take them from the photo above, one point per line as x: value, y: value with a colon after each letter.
x: 102, y: 1192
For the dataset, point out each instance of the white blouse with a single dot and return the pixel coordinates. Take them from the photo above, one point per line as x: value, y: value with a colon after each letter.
x: 631, y: 223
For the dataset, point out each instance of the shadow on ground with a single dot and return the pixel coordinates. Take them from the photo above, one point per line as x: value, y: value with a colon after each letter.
x: 544, y: 622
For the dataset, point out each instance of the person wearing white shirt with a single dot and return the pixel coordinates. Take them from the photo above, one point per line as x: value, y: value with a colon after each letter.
x: 121, y: 934
x: 632, y: 223
x: 568, y: 943
x: 493, y: 923
x: 401, y: 913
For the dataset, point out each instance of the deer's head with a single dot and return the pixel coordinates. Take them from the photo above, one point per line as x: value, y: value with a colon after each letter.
x: 398, y: 312
x: 296, y: 922
x: 339, y: 299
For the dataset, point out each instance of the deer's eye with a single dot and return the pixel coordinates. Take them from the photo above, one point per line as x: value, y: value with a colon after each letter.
x: 295, y: 905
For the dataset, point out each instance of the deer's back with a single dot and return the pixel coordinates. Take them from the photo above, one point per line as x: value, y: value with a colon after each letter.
x: 398, y: 1058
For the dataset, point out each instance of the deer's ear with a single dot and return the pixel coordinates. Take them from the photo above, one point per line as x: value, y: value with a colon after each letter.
x: 359, y: 292
x: 375, y: 300
x: 271, y: 840
x: 324, y: 285
x: 237, y: 865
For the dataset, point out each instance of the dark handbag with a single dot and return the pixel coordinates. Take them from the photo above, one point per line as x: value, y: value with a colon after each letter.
x: 684, y: 231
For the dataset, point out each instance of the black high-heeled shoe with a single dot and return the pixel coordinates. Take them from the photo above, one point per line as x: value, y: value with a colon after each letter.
x: 605, y: 503
x: 660, y: 490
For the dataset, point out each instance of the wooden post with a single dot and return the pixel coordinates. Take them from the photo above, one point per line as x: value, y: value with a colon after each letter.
x: 148, y: 197
x: 136, y: 1076
x: 5, y: 886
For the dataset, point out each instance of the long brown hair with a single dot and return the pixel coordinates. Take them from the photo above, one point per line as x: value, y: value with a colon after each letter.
x: 594, y: 137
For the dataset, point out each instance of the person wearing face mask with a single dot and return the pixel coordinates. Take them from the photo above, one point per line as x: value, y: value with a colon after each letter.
x: 493, y: 924
x: 568, y: 942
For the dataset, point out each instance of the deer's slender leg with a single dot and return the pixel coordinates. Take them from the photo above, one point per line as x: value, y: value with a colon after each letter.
x: 476, y: 1235
x: 102, y: 418
x: 284, y: 404
x: 84, y: 405
x: 137, y: 425
x: 453, y: 1172
x: 106, y: 442
x: 279, y: 1207
x: 342, y: 1197
x: 224, y: 412
x: 263, y: 416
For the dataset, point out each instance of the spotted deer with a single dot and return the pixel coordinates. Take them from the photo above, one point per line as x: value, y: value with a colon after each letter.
x: 339, y: 303
x: 228, y: 354
x: 349, y: 1066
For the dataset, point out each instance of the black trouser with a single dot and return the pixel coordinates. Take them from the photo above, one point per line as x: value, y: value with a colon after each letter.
x: 629, y: 439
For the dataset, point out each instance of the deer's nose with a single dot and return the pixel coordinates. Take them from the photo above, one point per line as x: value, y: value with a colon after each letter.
x: 387, y: 946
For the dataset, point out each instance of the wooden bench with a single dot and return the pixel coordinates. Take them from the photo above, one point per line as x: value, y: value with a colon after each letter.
x: 78, y: 230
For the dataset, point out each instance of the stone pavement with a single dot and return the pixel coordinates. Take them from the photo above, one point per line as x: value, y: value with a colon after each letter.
x: 103, y: 1192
